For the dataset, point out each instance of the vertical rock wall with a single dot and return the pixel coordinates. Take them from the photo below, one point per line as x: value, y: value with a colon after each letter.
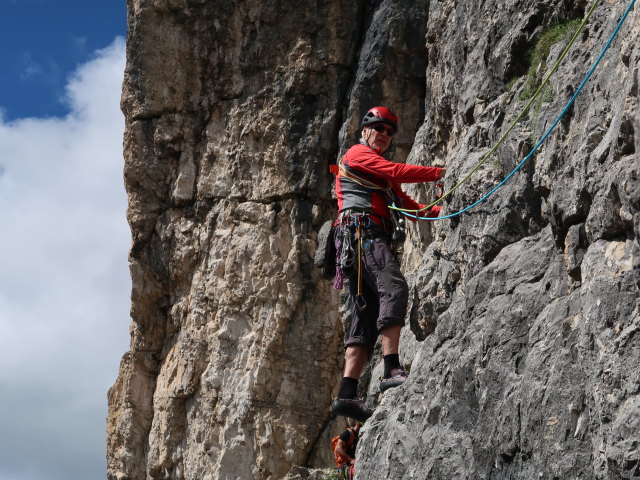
x: 524, y: 314
x: 233, y: 112
x: 532, y: 369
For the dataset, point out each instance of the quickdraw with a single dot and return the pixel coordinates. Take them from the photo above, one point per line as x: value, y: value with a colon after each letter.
x: 352, y: 227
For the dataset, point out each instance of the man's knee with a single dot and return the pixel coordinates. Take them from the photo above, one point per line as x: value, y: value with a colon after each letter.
x: 388, y: 322
x: 356, y: 351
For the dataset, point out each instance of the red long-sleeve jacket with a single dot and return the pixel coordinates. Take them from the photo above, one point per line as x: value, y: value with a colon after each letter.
x: 364, y: 162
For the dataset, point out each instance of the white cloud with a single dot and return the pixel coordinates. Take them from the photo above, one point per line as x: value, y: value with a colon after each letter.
x: 64, y: 281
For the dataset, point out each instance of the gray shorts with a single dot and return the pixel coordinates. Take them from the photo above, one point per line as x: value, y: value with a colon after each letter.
x: 384, y: 290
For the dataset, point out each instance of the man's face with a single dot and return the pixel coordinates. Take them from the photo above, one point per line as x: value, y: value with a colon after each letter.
x: 378, y: 136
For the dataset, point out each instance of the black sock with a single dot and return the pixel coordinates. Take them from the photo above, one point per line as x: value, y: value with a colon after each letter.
x: 391, y: 361
x: 348, y: 388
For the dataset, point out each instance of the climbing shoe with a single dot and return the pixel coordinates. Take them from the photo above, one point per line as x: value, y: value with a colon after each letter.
x: 397, y: 377
x: 351, y: 407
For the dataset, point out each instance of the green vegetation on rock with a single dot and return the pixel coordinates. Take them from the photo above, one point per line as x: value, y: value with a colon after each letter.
x: 538, y: 56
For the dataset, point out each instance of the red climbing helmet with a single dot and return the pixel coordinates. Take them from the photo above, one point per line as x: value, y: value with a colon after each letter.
x: 380, y: 114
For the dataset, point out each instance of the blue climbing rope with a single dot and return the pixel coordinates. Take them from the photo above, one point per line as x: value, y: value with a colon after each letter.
x: 546, y: 134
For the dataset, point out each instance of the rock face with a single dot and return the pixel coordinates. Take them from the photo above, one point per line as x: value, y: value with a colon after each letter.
x: 532, y: 369
x: 524, y: 318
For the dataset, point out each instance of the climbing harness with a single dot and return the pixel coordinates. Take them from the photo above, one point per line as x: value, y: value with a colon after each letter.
x: 397, y: 233
x: 549, y: 130
x: 361, y: 223
x: 354, y: 226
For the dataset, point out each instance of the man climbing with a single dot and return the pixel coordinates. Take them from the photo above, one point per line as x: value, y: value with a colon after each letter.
x: 344, y: 449
x: 366, y: 233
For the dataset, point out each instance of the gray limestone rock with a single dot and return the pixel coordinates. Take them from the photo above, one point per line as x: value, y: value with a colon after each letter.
x: 529, y: 368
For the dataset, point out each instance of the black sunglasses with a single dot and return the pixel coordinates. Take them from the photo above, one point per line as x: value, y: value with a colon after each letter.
x: 378, y: 127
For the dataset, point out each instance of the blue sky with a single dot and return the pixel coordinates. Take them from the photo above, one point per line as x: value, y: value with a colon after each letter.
x: 42, y: 42
x: 64, y: 279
